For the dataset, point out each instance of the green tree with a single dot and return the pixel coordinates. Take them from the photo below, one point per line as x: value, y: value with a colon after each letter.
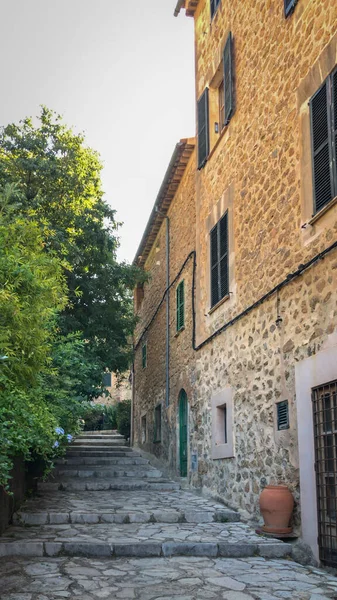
x: 59, y: 181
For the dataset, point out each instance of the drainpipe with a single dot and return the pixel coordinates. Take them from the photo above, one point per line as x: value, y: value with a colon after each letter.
x: 132, y: 402
x: 179, y: 5
x: 167, y: 356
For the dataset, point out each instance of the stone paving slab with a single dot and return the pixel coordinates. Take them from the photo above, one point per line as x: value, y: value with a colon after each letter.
x: 123, y: 507
x: 177, y: 578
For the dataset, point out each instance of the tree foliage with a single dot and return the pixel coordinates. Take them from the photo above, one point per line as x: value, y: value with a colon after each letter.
x: 65, y: 301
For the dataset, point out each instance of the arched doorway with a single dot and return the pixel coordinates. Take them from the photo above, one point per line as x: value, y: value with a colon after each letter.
x: 183, y: 421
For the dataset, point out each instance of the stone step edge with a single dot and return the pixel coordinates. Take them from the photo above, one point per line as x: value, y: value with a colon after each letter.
x: 165, y: 549
x: 95, y: 486
x: 158, y: 516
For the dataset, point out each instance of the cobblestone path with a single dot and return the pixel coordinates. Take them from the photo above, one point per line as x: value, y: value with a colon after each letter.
x: 109, y: 525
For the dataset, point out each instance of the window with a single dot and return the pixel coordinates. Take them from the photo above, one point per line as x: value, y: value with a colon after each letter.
x: 214, y: 6
x: 222, y: 424
x: 107, y: 380
x: 323, y: 116
x: 180, y: 306
x: 157, y: 423
x: 143, y: 429
x: 282, y: 409
x: 203, y: 129
x: 289, y: 6
x: 144, y: 355
x: 219, y: 260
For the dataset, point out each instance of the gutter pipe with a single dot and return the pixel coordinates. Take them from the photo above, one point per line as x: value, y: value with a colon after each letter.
x: 179, y: 5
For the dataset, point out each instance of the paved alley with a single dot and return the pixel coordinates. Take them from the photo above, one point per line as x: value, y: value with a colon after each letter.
x: 106, y: 524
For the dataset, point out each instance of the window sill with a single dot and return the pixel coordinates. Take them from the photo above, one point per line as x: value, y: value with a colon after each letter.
x: 221, y: 135
x: 179, y: 331
x: 222, y: 301
x: 323, y: 210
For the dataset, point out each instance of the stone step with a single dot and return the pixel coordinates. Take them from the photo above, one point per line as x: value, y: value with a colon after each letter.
x: 235, y: 540
x: 105, y: 472
x: 71, y: 452
x: 44, y: 517
x: 98, y: 443
x: 95, y: 460
x: 120, y: 483
x: 100, y: 432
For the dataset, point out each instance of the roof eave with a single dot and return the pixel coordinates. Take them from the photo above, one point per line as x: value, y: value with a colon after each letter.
x: 173, y: 176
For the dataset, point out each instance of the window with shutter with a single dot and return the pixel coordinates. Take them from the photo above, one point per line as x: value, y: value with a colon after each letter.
x: 180, y: 306
x: 144, y: 355
x: 289, y: 6
x: 107, y: 380
x: 214, y: 6
x: 282, y: 415
x: 228, y: 79
x: 323, y: 142
x: 219, y: 260
x: 203, y: 129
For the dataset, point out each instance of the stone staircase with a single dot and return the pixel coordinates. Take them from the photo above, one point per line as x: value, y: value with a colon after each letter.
x: 106, y: 500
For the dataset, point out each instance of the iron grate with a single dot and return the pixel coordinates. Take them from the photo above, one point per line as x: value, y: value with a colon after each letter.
x: 324, y: 400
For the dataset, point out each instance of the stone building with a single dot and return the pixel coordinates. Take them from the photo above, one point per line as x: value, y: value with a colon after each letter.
x: 247, y: 387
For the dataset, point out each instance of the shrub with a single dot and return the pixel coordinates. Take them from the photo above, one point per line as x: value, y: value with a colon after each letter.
x: 110, y: 417
x: 123, y: 415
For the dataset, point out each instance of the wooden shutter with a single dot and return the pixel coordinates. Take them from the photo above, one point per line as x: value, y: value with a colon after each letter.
x: 223, y: 258
x: 289, y: 6
x: 219, y: 260
x: 203, y: 129
x: 321, y: 147
x: 214, y: 267
x: 228, y: 78
x: 334, y: 126
x: 180, y: 306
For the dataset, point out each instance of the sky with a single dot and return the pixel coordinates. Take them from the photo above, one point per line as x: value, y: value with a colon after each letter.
x: 121, y: 71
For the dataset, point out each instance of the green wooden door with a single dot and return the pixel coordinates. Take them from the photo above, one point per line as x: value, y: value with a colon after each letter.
x: 183, y: 433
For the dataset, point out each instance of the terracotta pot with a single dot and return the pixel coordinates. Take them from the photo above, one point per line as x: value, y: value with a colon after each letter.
x: 276, y: 505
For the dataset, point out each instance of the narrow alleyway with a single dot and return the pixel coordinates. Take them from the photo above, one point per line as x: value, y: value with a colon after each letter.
x: 107, y: 524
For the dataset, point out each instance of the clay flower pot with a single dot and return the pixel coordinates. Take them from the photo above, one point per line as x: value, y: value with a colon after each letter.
x: 276, y: 505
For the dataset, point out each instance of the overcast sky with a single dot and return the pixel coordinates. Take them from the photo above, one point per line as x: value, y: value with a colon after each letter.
x: 122, y: 71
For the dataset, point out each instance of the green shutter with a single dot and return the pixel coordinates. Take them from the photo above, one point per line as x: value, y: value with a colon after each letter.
x: 322, y: 144
x: 228, y: 78
x: 203, y: 129
x: 219, y: 260
x: 180, y: 306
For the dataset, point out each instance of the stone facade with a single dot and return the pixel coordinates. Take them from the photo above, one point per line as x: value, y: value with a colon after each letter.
x: 259, y: 170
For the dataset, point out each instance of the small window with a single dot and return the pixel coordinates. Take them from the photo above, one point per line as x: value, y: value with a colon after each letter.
x: 222, y: 425
x: 323, y: 116
x: 219, y: 260
x: 180, y: 306
x: 144, y: 355
x: 214, y: 6
x: 289, y: 6
x: 282, y: 415
x: 143, y: 429
x: 203, y: 129
x: 107, y: 380
x: 157, y: 423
